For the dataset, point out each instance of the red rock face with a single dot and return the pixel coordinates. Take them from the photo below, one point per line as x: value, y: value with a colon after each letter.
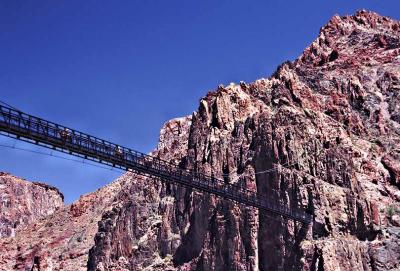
x: 322, y: 132
x: 23, y: 202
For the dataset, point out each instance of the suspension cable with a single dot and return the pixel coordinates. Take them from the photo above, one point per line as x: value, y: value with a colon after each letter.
x: 61, y: 157
x: 6, y: 104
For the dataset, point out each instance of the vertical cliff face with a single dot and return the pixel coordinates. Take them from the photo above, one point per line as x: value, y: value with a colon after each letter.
x: 322, y: 132
x: 61, y: 240
x: 141, y: 232
x: 23, y: 202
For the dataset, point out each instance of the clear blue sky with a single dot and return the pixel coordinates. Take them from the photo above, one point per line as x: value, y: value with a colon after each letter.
x: 120, y: 69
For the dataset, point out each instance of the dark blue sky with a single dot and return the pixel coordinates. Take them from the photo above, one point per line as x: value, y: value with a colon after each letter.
x: 120, y: 69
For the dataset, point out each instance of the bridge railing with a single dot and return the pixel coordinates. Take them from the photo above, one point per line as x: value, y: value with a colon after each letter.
x: 52, y: 135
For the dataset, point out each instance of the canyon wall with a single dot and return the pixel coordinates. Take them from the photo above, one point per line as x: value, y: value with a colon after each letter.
x: 322, y: 133
x: 22, y: 202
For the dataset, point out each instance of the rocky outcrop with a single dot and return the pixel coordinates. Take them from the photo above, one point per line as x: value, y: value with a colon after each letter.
x: 322, y: 132
x: 138, y: 232
x: 23, y: 202
x: 60, y: 241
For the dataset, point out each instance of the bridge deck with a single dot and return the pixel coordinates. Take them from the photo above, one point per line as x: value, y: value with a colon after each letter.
x: 35, y: 130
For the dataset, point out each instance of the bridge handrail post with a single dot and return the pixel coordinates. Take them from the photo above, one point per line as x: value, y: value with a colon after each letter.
x: 47, y: 133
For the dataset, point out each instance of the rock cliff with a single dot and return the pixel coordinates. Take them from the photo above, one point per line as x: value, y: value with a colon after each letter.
x: 322, y: 132
x: 23, y: 202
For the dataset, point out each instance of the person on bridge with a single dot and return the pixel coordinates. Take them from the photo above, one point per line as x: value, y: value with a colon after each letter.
x: 66, y: 134
x: 118, y: 151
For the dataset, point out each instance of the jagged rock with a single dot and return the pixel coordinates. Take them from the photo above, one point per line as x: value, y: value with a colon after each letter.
x: 322, y: 132
x: 23, y: 202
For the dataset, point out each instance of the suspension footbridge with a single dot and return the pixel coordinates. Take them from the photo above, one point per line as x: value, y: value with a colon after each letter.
x: 22, y: 126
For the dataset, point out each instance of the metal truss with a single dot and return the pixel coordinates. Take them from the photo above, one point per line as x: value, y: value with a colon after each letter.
x: 25, y: 127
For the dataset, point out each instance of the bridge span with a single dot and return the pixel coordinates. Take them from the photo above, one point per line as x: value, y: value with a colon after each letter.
x: 28, y: 128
